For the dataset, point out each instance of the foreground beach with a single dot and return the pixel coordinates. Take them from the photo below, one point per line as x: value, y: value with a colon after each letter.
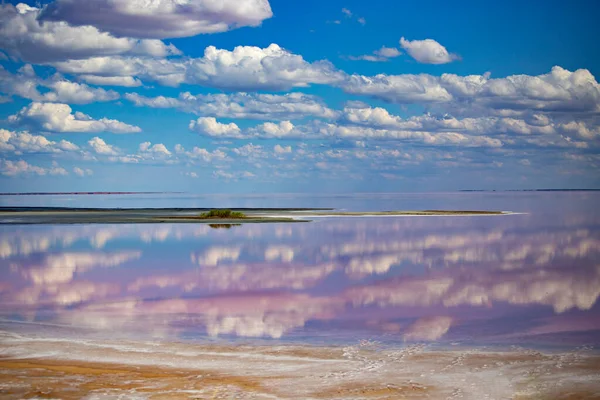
x: 34, y: 367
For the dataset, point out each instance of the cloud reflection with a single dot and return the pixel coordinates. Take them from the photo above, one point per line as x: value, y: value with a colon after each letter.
x: 418, y: 278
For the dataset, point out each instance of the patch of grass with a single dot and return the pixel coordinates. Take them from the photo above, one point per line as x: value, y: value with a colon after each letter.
x: 223, y: 214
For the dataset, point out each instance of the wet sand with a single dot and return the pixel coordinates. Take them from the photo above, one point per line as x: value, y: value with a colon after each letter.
x: 33, y: 367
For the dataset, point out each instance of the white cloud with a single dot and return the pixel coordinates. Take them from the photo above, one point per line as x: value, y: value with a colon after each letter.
x: 525, y: 162
x: 21, y: 167
x: 223, y: 175
x: 536, y: 125
x: 405, y: 88
x: 211, y: 127
x: 76, y: 93
x: 232, y: 176
x: 580, y: 129
x: 383, y: 54
x: 241, y: 105
x: 558, y: 91
x: 191, y: 174
x: 25, y: 37
x: 101, y: 147
x: 198, y: 153
x: 427, y: 51
x: 58, y: 117
x: 25, y: 142
x: 249, y: 150
x: 278, y: 149
x: 387, y: 52
x: 158, y: 149
x: 160, y: 18
x: 243, y: 68
x: 433, y: 138
x: 270, y: 129
x: 83, y: 172
x: 125, y: 81
x: 253, y: 68
x: 121, y: 69
x: 58, y: 89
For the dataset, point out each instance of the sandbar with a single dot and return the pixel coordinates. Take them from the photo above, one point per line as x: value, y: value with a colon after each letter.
x: 59, y: 215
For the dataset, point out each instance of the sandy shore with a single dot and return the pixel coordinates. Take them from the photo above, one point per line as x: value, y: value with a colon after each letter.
x: 33, y: 367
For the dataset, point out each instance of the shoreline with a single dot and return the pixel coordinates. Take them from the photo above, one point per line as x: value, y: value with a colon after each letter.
x: 50, y: 215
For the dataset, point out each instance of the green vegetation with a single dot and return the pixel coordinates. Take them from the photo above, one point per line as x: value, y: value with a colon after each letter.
x: 222, y: 214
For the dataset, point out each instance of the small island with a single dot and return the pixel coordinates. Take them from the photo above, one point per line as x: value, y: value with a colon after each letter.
x: 228, y: 218
x: 223, y: 214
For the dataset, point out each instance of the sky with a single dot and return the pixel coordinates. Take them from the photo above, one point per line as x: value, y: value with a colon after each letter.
x: 285, y: 96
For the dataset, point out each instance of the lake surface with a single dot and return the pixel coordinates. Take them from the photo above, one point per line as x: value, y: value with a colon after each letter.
x: 530, y: 279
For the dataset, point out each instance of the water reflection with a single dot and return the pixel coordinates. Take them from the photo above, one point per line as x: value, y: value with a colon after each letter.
x: 486, y: 279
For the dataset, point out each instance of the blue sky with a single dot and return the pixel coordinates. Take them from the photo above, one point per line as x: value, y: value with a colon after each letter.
x: 286, y: 96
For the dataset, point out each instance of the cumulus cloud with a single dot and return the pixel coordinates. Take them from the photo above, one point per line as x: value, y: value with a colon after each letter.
x: 161, y: 18
x: 25, y: 142
x: 383, y: 54
x: 501, y: 126
x: 82, y: 172
x: 360, y: 122
x: 354, y: 132
x: 241, y: 105
x: 125, y: 81
x: 158, y: 149
x: 21, y: 167
x: 405, y: 88
x: 243, y: 68
x: 126, y: 70
x: 201, y: 154
x: 252, y: 68
x: 25, y: 84
x: 558, y: 91
x: 427, y: 51
x: 249, y: 150
x: 357, y: 124
x: 58, y: 117
x: 211, y: 127
x: 27, y: 38
x: 278, y: 149
x: 270, y: 129
x: 101, y: 147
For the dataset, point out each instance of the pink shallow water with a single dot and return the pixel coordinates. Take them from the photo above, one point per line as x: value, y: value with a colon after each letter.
x: 527, y: 279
